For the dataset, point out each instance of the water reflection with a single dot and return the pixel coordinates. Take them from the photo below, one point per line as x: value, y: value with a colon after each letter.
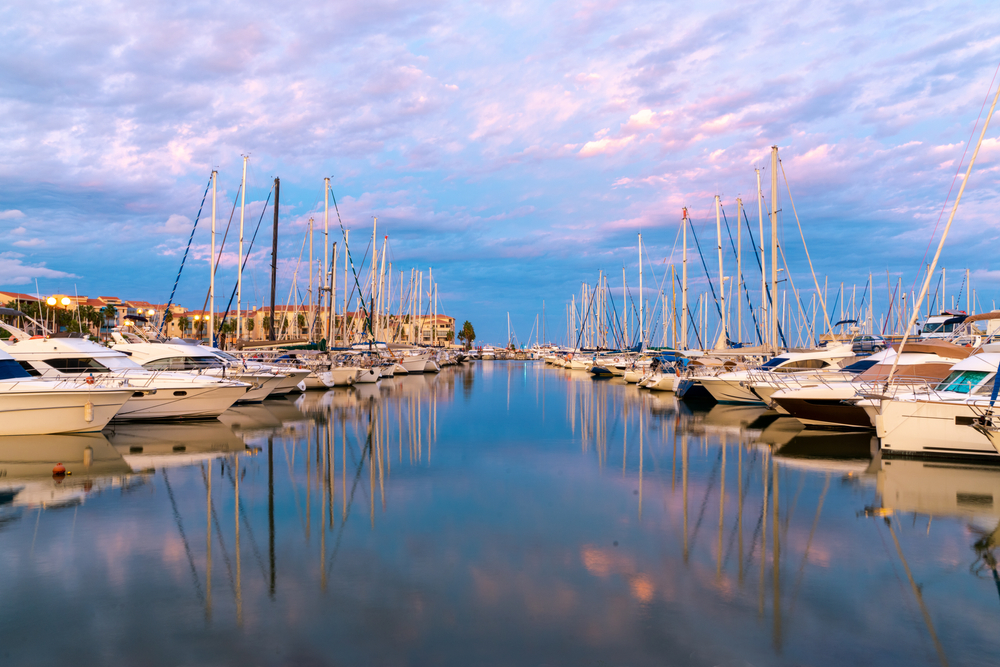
x: 500, y: 513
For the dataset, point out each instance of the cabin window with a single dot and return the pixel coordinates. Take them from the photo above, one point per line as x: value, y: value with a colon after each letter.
x: 11, y: 370
x: 182, y: 363
x: 859, y: 366
x: 29, y: 369
x: 802, y: 364
x: 77, y: 365
x: 962, y: 382
x: 774, y: 362
x: 986, y: 388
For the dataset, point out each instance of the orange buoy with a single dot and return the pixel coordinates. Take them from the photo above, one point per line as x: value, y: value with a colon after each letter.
x: 58, y: 470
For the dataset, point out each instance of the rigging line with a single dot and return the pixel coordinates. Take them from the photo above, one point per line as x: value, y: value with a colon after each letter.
x: 170, y: 301
x: 767, y: 287
x: 215, y: 270
x: 753, y: 315
x: 795, y: 293
x: 347, y: 249
x: 804, y: 246
x: 247, y: 256
x: 708, y: 275
x: 958, y: 170
x: 580, y: 334
x: 690, y: 323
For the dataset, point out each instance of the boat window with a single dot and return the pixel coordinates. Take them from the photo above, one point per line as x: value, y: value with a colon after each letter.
x: 77, y: 365
x: 986, y: 388
x: 938, y: 327
x: 774, y: 362
x: 11, y: 370
x: 962, y: 382
x: 225, y: 355
x: 29, y: 369
x: 121, y: 363
x: 802, y: 364
x: 860, y: 366
x: 182, y: 363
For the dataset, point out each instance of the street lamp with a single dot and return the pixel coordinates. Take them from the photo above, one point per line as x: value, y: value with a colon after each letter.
x: 65, y: 301
x: 51, y: 301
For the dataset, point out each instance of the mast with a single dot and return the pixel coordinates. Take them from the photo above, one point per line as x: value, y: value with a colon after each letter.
x: 332, y: 325
x: 371, y: 315
x: 432, y: 304
x: 274, y: 252
x: 310, y: 323
x: 722, y: 285
x: 211, y: 265
x: 774, y: 244
x: 625, y: 301
x: 239, y: 260
x: 739, y: 270
x: 326, y: 255
x: 343, y: 321
x: 684, y: 284
x: 763, y: 261
x: 642, y: 302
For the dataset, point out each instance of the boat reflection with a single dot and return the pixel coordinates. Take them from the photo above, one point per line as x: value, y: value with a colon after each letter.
x: 152, y: 446
x: 27, y: 478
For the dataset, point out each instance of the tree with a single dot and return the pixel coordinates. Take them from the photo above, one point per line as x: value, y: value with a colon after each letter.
x: 467, y: 335
x: 302, y: 323
x: 249, y: 324
x: 267, y: 324
x: 184, y: 323
x: 109, y: 312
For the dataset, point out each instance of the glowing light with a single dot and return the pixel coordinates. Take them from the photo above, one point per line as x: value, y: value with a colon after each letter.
x: 150, y: 311
x: 51, y: 301
x: 65, y: 301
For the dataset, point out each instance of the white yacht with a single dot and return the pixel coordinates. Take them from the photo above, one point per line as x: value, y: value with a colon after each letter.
x: 938, y: 420
x: 293, y: 374
x: 195, y: 360
x: 828, y: 402
x: 155, y: 395
x: 737, y: 386
x: 32, y: 406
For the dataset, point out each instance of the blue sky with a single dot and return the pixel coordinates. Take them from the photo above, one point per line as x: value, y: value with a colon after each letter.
x: 515, y: 148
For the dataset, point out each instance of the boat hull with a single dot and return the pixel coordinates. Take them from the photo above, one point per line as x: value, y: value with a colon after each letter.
x: 26, y: 411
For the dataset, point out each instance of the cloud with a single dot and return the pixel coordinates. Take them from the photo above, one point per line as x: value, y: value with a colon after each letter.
x: 14, y: 272
x: 439, y: 118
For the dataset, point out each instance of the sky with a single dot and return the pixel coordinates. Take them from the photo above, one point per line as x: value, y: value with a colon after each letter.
x: 516, y: 149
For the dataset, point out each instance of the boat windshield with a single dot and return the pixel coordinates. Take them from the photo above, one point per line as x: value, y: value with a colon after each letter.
x: 183, y: 363
x: 11, y: 370
x: 774, y: 362
x: 226, y: 356
x: 937, y: 327
x: 962, y: 382
x: 860, y: 366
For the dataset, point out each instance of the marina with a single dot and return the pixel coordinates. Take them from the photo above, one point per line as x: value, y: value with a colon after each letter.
x: 497, y: 512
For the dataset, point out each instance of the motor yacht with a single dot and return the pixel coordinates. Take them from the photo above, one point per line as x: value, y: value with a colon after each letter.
x: 184, y: 357
x: 155, y: 395
x: 937, y: 420
x: 737, y: 386
x: 827, y: 402
x: 33, y: 406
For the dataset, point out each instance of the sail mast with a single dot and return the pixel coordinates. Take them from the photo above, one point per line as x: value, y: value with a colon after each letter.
x: 722, y: 284
x: 684, y: 284
x: 739, y: 270
x: 763, y: 262
x: 642, y: 303
x: 325, y: 288
x: 774, y: 245
x: 211, y: 266
x: 239, y: 260
x: 274, y: 252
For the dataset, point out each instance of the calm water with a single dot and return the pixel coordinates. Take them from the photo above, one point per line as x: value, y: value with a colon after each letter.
x: 501, y: 514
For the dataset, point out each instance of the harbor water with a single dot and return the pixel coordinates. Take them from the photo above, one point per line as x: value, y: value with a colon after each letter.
x: 500, y: 513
